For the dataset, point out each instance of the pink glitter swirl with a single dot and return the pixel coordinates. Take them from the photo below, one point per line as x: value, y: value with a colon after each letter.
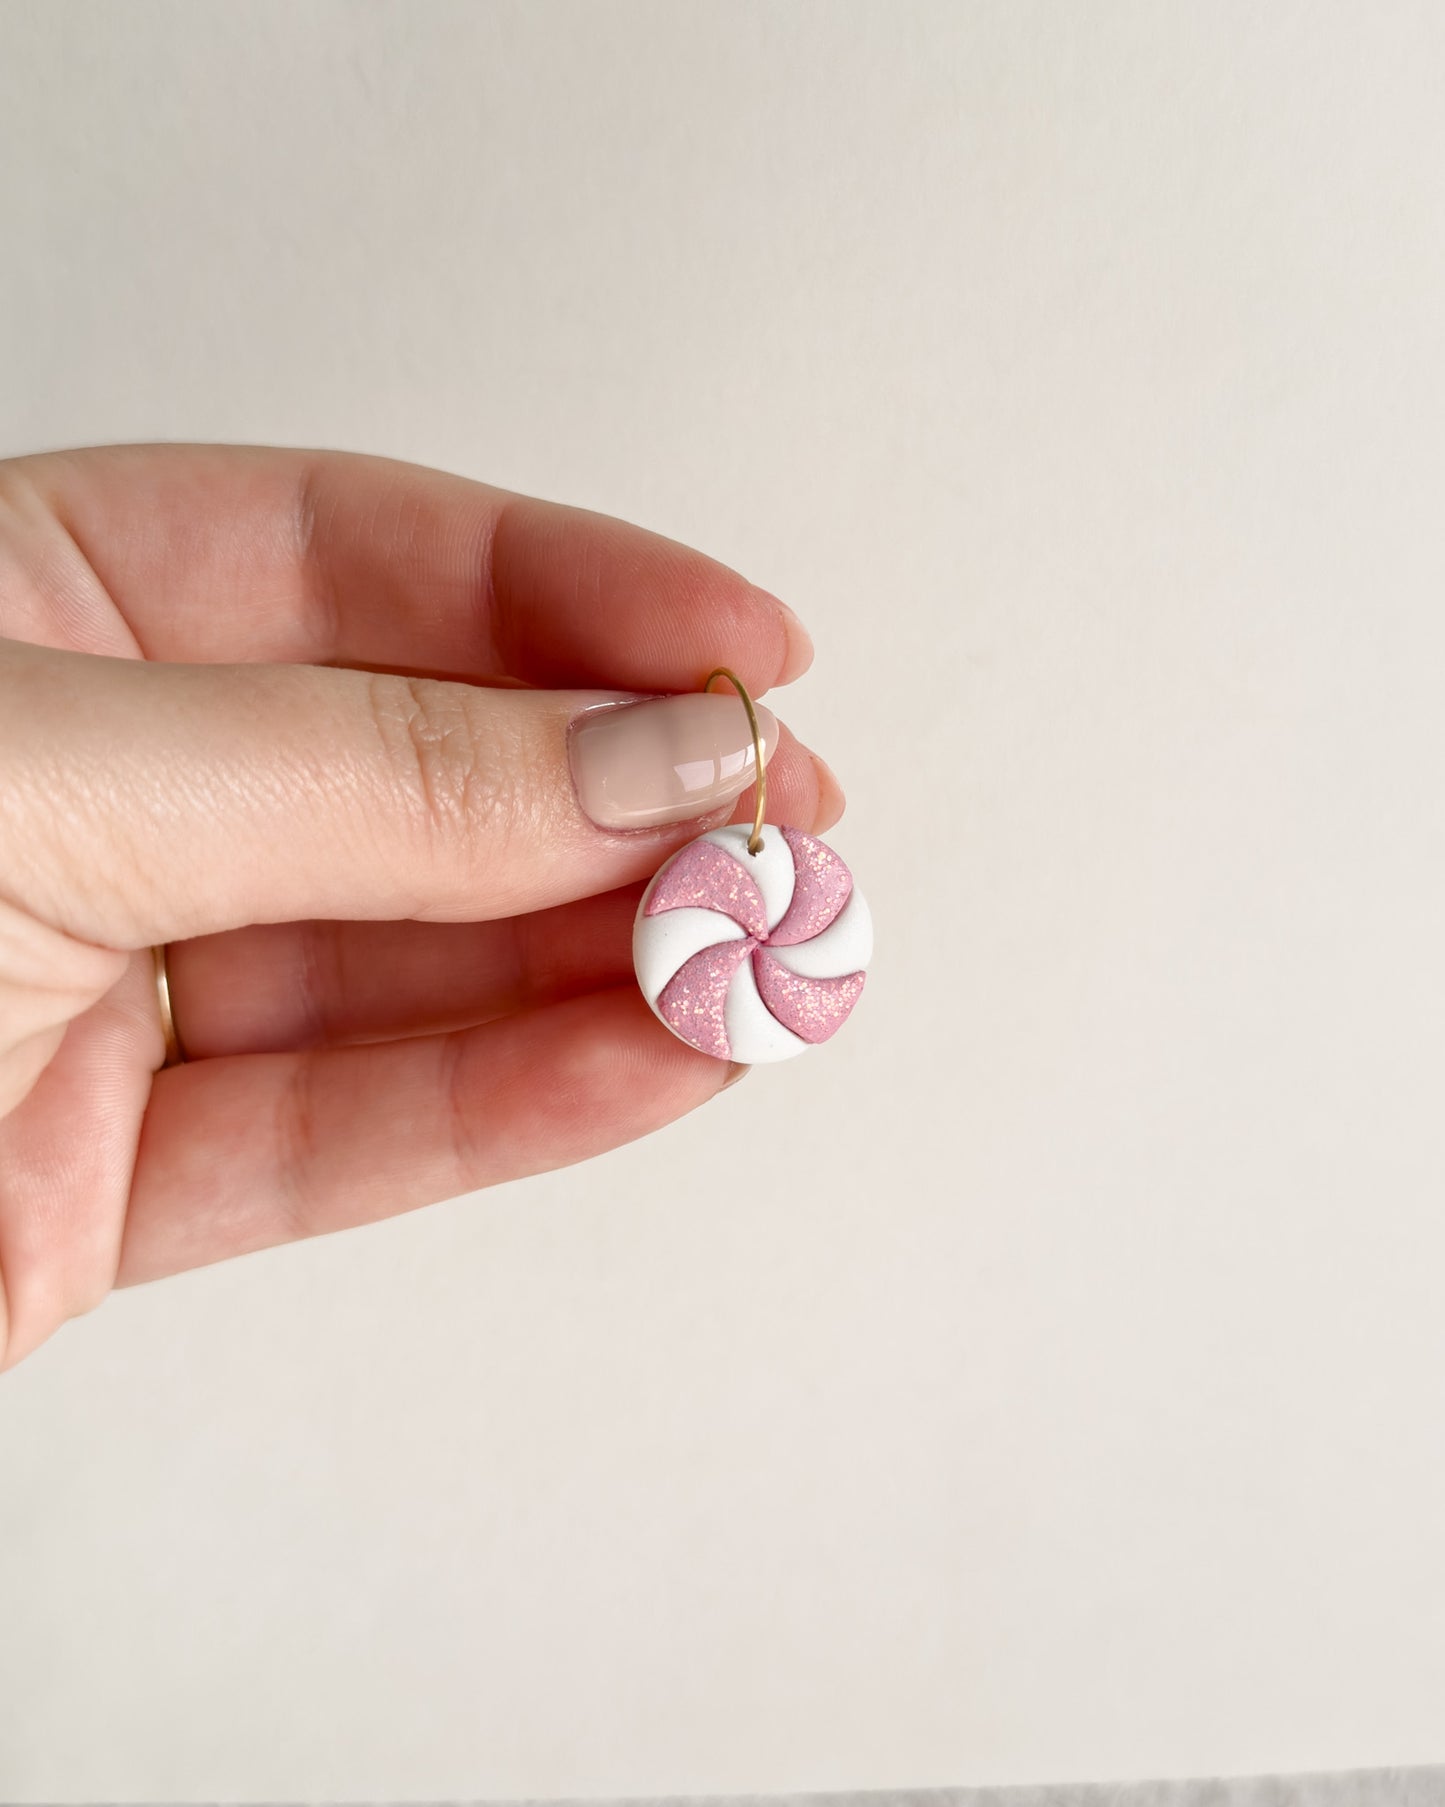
x: 705, y: 876
x: 694, y: 999
x: 821, y: 886
x: 812, y: 1008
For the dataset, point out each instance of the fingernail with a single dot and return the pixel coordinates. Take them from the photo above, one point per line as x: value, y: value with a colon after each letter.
x: 799, y: 655
x: 738, y: 1071
x: 638, y: 765
x: 831, y: 801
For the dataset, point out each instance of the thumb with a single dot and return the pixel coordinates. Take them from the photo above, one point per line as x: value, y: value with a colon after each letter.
x: 148, y: 802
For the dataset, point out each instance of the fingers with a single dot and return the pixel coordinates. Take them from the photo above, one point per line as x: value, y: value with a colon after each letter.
x: 66, y: 1155
x: 312, y: 984
x: 240, y: 1154
x: 148, y: 802
x: 46, y: 979
x: 232, y: 553
x: 296, y: 985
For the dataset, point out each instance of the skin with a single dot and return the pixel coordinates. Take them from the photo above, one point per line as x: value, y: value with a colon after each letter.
x: 302, y: 716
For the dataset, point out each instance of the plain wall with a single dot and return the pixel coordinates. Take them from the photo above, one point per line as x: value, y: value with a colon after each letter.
x: 1047, y: 1378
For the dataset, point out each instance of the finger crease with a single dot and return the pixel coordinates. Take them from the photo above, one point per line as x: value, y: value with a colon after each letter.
x: 458, y: 1096
x: 298, y: 1146
x: 320, y: 583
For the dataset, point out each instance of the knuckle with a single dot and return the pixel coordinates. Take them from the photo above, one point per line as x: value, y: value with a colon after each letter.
x: 447, y: 754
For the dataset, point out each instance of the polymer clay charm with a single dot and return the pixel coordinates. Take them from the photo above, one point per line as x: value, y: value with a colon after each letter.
x: 751, y: 945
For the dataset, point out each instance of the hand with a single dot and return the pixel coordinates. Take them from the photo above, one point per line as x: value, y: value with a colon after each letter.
x: 305, y: 717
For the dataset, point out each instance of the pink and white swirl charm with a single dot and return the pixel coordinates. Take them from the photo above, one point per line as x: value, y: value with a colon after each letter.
x: 752, y: 956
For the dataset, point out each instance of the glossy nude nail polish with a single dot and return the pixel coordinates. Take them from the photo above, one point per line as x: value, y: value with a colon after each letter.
x: 664, y: 759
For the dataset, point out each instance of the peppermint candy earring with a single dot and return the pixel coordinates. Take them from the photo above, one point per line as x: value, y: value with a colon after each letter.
x: 751, y: 945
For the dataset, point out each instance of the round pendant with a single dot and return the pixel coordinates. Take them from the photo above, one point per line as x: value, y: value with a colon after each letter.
x: 752, y: 956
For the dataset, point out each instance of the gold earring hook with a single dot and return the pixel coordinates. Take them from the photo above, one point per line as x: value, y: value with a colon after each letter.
x: 755, y: 839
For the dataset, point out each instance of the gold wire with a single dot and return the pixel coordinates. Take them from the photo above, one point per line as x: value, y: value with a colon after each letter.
x: 175, y: 1054
x: 755, y: 839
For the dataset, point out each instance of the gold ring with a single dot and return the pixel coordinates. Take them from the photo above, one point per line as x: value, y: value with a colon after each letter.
x: 175, y: 1053
x: 755, y: 839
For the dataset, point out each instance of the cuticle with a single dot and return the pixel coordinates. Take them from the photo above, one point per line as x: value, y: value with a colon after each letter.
x: 619, y: 702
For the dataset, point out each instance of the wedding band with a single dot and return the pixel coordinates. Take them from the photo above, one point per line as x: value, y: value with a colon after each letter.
x: 175, y: 1054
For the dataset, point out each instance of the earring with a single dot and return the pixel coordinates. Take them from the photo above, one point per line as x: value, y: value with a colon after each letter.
x: 751, y: 945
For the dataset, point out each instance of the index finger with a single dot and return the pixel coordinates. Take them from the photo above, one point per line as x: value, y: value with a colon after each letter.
x: 230, y: 553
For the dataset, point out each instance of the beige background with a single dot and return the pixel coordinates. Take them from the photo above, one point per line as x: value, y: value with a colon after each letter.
x: 1047, y: 1379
